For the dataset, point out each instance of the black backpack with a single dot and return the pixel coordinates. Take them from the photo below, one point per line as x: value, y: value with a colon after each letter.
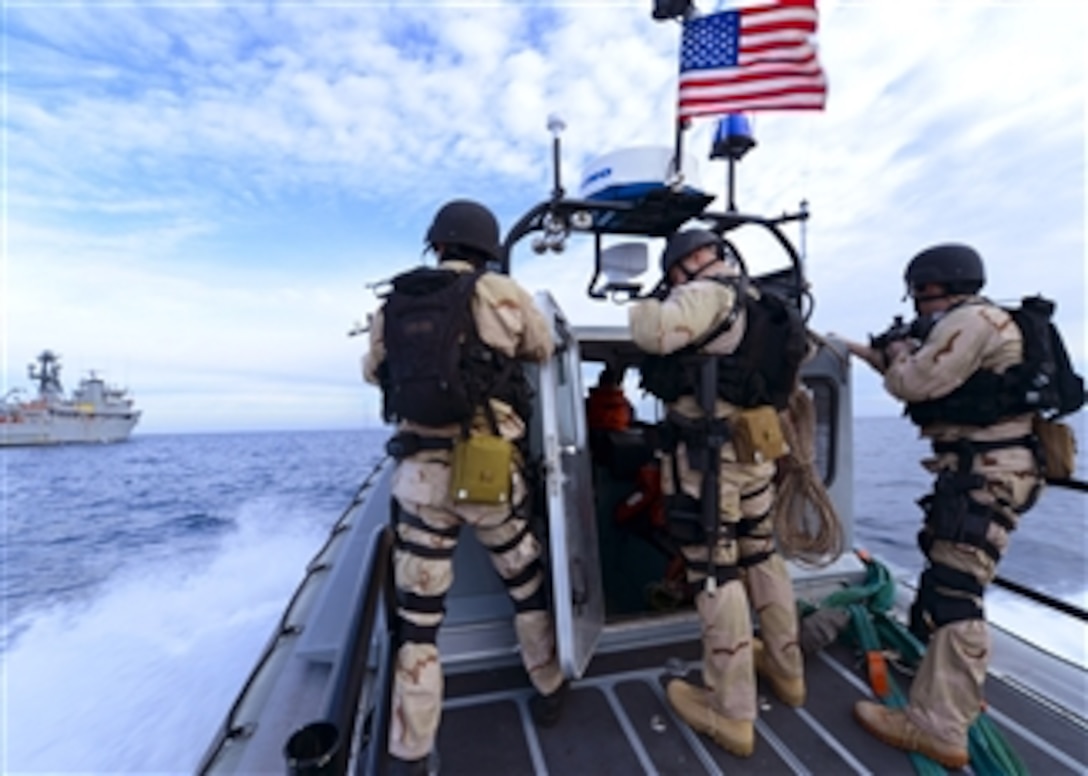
x: 428, y: 329
x: 1046, y: 378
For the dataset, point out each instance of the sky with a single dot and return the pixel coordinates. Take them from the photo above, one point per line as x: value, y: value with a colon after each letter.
x: 198, y: 195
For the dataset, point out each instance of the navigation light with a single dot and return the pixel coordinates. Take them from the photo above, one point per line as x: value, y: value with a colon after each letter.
x: 733, y: 137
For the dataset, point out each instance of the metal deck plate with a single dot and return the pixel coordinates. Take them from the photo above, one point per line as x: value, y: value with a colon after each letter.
x: 617, y: 721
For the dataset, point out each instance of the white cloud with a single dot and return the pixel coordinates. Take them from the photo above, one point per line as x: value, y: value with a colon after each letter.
x: 197, y: 195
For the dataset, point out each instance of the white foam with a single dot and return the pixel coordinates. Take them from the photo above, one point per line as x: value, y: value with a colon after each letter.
x: 139, y: 680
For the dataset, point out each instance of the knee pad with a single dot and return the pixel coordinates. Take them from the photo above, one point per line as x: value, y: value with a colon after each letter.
x: 944, y: 595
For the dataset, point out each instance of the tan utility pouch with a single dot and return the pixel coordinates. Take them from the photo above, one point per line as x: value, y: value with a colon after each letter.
x: 757, y: 435
x: 480, y: 471
x: 1059, y: 447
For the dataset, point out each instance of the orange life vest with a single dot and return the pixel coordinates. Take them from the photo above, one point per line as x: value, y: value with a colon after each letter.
x: 607, y: 409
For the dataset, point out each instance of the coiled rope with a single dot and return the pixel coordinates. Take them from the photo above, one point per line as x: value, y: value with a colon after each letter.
x: 806, y: 525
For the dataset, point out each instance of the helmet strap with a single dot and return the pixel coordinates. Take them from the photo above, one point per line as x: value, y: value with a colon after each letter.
x: 932, y: 297
x: 698, y: 270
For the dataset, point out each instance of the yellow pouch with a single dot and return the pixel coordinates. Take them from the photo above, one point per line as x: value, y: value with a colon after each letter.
x: 757, y: 435
x: 1059, y: 447
x: 480, y: 470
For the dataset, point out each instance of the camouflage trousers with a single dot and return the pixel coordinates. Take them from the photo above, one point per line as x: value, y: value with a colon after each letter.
x: 946, y: 695
x: 746, y: 496
x: 427, y: 531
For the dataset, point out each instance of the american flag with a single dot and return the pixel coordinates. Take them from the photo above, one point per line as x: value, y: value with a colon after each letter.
x: 757, y: 58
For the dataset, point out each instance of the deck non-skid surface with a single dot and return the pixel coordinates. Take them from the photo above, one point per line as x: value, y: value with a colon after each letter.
x: 617, y: 721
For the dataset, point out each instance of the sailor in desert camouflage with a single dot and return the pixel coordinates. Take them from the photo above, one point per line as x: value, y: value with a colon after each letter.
x: 987, y: 477
x: 510, y: 329
x: 704, y: 305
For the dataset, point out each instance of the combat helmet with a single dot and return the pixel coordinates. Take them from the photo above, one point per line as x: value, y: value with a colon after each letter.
x: 682, y: 244
x: 955, y: 266
x: 468, y: 224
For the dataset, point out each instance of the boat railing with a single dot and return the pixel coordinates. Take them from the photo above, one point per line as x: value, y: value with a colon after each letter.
x: 1040, y: 597
x: 325, y: 746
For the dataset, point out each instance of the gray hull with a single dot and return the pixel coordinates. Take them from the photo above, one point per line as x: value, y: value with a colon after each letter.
x: 94, y: 412
x: 52, y: 427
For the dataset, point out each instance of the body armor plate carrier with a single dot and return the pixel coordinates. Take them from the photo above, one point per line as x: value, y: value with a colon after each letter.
x: 1043, y: 382
x: 437, y: 370
x: 762, y: 370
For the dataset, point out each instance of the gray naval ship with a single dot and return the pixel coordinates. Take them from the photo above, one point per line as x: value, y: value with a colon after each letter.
x: 95, y: 412
x: 317, y: 699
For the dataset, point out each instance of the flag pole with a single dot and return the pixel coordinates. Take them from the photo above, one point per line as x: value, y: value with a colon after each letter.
x: 730, y: 170
x: 681, y: 125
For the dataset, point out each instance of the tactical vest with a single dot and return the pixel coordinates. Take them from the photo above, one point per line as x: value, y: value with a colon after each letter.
x: 762, y: 370
x: 1043, y: 382
x: 437, y: 371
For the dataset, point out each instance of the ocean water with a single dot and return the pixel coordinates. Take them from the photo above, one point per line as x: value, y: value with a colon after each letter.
x: 141, y: 580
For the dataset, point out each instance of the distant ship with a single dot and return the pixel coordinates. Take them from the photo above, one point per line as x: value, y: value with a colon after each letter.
x: 95, y: 412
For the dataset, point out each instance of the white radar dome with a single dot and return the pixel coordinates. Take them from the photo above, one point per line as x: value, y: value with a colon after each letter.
x: 630, y: 173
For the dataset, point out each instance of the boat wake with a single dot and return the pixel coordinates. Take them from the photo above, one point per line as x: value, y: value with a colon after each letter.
x: 136, y: 679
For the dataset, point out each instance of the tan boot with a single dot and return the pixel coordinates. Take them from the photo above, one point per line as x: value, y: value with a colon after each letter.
x: 693, y: 704
x: 790, y: 690
x: 893, y: 727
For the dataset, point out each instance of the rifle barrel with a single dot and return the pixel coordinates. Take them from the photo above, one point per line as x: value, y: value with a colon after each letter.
x: 1068, y: 482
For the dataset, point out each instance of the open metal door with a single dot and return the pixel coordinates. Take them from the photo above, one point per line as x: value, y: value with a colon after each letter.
x: 576, y: 574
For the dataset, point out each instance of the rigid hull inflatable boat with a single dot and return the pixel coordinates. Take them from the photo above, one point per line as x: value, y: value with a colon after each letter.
x: 317, y: 701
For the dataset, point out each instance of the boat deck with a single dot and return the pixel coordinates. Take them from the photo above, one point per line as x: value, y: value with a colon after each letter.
x: 617, y: 721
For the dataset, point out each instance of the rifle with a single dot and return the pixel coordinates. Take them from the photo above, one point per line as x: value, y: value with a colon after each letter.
x: 898, y: 330
x: 715, y: 439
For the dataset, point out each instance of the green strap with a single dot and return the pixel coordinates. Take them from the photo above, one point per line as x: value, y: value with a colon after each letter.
x: 865, y: 633
x: 877, y: 591
x: 876, y: 632
x: 991, y: 754
x: 898, y: 639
